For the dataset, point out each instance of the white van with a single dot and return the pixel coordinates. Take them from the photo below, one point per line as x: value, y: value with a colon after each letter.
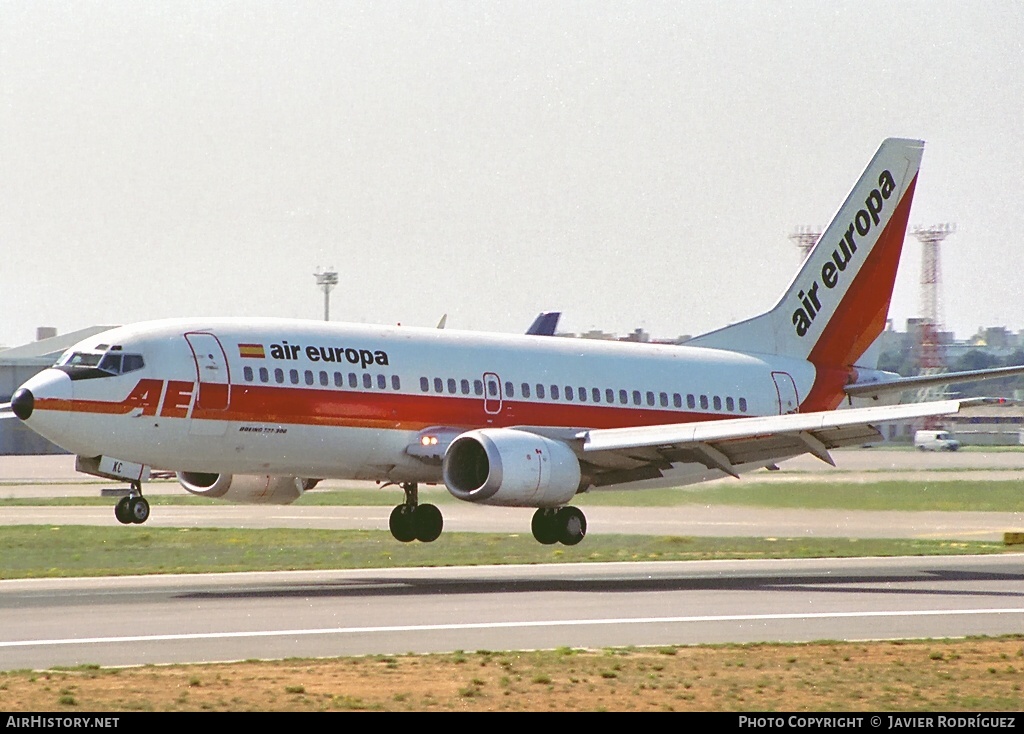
x: 935, y: 441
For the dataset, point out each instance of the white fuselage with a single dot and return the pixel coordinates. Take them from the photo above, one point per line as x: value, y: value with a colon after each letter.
x: 317, y: 399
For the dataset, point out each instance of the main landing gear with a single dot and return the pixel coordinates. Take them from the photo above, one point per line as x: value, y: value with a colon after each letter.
x: 412, y: 521
x: 565, y: 525
x: 133, y: 509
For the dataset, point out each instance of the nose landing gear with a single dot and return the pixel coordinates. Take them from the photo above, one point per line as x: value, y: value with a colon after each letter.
x: 133, y: 509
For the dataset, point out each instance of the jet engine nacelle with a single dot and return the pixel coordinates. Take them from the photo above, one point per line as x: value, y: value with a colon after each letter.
x: 247, y: 489
x: 505, y: 466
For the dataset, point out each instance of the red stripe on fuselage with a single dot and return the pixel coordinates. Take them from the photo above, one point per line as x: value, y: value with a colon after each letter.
x: 344, y: 408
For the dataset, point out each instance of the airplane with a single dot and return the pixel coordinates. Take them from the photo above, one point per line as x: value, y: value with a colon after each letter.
x: 545, y: 323
x: 260, y: 410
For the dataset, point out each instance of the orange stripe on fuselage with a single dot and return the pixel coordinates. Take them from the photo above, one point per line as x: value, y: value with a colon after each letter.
x: 83, y: 406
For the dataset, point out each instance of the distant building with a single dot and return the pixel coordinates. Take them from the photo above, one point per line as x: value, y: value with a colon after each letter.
x: 17, y: 365
x: 997, y: 424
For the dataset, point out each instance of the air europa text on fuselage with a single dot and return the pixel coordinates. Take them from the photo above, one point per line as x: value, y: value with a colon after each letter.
x: 363, y: 357
x: 831, y: 272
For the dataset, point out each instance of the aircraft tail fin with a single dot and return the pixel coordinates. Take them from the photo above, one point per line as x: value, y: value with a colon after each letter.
x: 545, y: 323
x: 837, y: 305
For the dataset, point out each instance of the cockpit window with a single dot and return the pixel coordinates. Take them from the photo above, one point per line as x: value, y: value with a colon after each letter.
x: 87, y: 365
x: 81, y: 359
x: 111, y: 363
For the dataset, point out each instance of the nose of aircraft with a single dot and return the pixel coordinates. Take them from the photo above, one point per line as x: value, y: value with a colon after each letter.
x: 23, y: 402
x: 43, y: 403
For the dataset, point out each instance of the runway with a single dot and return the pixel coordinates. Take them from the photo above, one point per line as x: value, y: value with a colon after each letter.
x: 165, y: 619
x: 221, y: 617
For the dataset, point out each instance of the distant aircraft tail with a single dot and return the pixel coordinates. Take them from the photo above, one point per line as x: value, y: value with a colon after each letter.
x: 837, y: 304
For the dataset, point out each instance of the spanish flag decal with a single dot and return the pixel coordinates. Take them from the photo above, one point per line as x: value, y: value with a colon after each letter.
x: 251, y: 351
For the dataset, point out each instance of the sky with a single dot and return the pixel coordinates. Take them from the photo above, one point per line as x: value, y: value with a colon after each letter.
x: 631, y: 164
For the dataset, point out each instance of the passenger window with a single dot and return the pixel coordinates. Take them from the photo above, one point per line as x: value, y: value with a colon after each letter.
x: 382, y: 382
x: 663, y: 399
x: 309, y: 377
x: 396, y: 383
x: 492, y: 389
x: 293, y: 375
x: 337, y: 379
x: 353, y: 381
x: 691, y: 402
x: 540, y: 391
x: 510, y: 391
x: 247, y: 373
x: 718, y: 403
x: 650, y: 398
x: 609, y: 395
x: 264, y: 374
x: 424, y: 384
x: 636, y: 397
x: 730, y: 404
x: 367, y: 381
x: 438, y: 384
x: 452, y: 385
x: 526, y: 389
x: 279, y: 376
x: 464, y: 384
x: 324, y: 379
x: 478, y: 388
x: 582, y: 392
x: 554, y: 392
x: 704, y: 402
x: 677, y: 400
x: 568, y: 392
x: 623, y: 397
x: 595, y: 394
x: 743, y: 405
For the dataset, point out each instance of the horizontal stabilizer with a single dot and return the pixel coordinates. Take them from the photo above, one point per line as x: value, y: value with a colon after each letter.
x: 882, y: 387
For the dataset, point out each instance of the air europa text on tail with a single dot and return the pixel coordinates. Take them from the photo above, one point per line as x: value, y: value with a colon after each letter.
x: 832, y: 270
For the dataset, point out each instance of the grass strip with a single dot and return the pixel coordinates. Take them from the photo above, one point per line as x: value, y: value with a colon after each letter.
x: 73, y: 550
x: 951, y: 496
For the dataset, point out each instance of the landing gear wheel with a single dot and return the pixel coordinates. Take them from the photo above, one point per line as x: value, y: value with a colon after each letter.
x: 138, y: 510
x: 571, y: 524
x: 427, y: 522
x: 121, y: 511
x: 412, y: 521
x: 543, y: 526
x: 401, y: 524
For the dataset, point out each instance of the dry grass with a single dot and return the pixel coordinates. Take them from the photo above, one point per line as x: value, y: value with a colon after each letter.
x: 959, y: 675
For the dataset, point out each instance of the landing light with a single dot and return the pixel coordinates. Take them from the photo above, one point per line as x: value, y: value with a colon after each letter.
x: 429, y: 441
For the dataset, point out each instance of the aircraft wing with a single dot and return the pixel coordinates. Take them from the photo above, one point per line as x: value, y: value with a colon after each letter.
x: 879, y: 388
x: 619, y: 455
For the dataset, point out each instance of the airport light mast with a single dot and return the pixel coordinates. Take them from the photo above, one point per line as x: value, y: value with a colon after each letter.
x: 326, y: 280
x: 930, y: 356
